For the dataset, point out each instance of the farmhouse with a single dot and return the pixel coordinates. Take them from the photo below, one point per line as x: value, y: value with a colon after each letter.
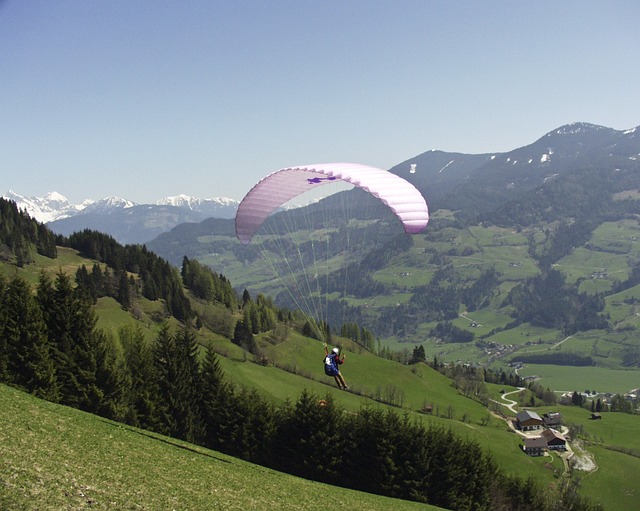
x: 535, y: 446
x: 552, y: 419
x: 550, y: 439
x: 528, y: 420
x: 554, y: 440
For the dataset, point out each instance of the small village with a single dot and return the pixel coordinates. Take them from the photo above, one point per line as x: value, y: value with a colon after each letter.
x: 541, y: 434
x: 546, y: 434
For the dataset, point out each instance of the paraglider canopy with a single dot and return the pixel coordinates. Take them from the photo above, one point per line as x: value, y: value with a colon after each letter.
x: 285, y: 184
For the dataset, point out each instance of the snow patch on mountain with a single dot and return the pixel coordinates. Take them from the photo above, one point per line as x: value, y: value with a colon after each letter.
x: 55, y: 206
x: 196, y: 204
x: 577, y: 127
x: 109, y: 204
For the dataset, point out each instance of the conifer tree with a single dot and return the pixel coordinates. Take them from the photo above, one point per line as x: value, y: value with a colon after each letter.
x: 309, y: 443
x: 85, y: 284
x: 165, y: 367
x: 186, y: 342
x: 29, y: 362
x: 367, y: 339
x: 124, y: 292
x: 177, y: 368
x: 369, y: 455
x: 252, y: 426
x: 140, y: 372
x: 216, y: 395
x: 111, y: 379
x: 242, y: 334
x: 71, y: 327
x: 4, y: 360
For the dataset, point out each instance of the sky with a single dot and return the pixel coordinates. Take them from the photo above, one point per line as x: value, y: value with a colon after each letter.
x: 144, y: 99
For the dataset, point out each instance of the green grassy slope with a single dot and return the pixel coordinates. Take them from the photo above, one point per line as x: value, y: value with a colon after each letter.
x: 58, y: 458
x: 411, y: 387
x: 613, y: 444
x: 421, y: 384
x: 605, y: 260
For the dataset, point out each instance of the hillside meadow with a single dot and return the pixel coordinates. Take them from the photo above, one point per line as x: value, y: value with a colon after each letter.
x: 285, y: 369
x: 57, y: 458
x: 597, y: 264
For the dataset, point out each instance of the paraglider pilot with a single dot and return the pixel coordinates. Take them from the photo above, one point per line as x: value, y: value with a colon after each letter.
x: 331, y: 362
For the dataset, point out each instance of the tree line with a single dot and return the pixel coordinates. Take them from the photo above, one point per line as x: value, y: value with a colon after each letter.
x: 21, y: 236
x: 52, y: 348
x: 558, y: 358
x: 157, y: 278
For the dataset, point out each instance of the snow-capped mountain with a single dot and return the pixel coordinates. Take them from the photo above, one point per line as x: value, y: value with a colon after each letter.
x: 53, y: 206
x: 125, y: 220
x: 471, y: 184
x: 208, y: 206
x: 108, y: 204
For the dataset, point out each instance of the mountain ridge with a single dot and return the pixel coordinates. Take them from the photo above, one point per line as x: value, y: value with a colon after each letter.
x: 55, y: 206
x: 568, y: 202
x: 471, y: 184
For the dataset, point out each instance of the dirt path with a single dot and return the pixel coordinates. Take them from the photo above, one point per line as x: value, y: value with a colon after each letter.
x: 509, y: 403
x: 575, y: 457
x: 553, y: 346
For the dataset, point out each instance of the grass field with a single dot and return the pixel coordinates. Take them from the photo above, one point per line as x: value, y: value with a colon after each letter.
x: 57, y: 458
x: 567, y: 378
x: 615, y: 481
x: 66, y: 483
x: 605, y: 260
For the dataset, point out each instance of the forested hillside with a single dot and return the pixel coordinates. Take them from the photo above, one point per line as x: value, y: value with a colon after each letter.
x: 50, y: 346
x: 524, y: 249
x: 21, y: 236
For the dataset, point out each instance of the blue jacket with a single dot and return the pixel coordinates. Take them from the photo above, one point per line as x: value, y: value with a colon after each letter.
x: 331, y: 363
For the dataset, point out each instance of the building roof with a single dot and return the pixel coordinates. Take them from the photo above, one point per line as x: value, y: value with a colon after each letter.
x: 535, y: 442
x: 526, y: 415
x: 552, y: 434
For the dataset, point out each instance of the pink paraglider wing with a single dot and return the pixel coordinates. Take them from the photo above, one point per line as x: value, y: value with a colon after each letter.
x: 276, y: 189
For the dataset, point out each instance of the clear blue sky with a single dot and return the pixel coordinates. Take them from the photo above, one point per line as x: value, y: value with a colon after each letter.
x: 143, y: 99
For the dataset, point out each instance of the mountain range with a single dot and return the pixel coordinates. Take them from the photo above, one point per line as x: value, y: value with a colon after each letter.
x: 512, y: 188
x: 543, y: 235
x: 126, y: 221
x: 470, y: 184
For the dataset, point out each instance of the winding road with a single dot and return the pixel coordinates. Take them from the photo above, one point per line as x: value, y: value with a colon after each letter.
x: 581, y: 459
x: 510, y: 403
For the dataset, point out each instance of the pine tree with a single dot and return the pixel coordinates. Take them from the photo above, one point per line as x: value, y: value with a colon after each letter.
x: 186, y: 342
x: 4, y: 359
x: 29, y: 362
x: 418, y: 355
x: 246, y: 298
x: 309, y: 443
x: 111, y: 379
x: 164, y: 362
x: 251, y: 426
x: 176, y: 363
x: 140, y: 372
x: 243, y: 336
x: 216, y: 394
x: 71, y: 328
x: 124, y: 292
